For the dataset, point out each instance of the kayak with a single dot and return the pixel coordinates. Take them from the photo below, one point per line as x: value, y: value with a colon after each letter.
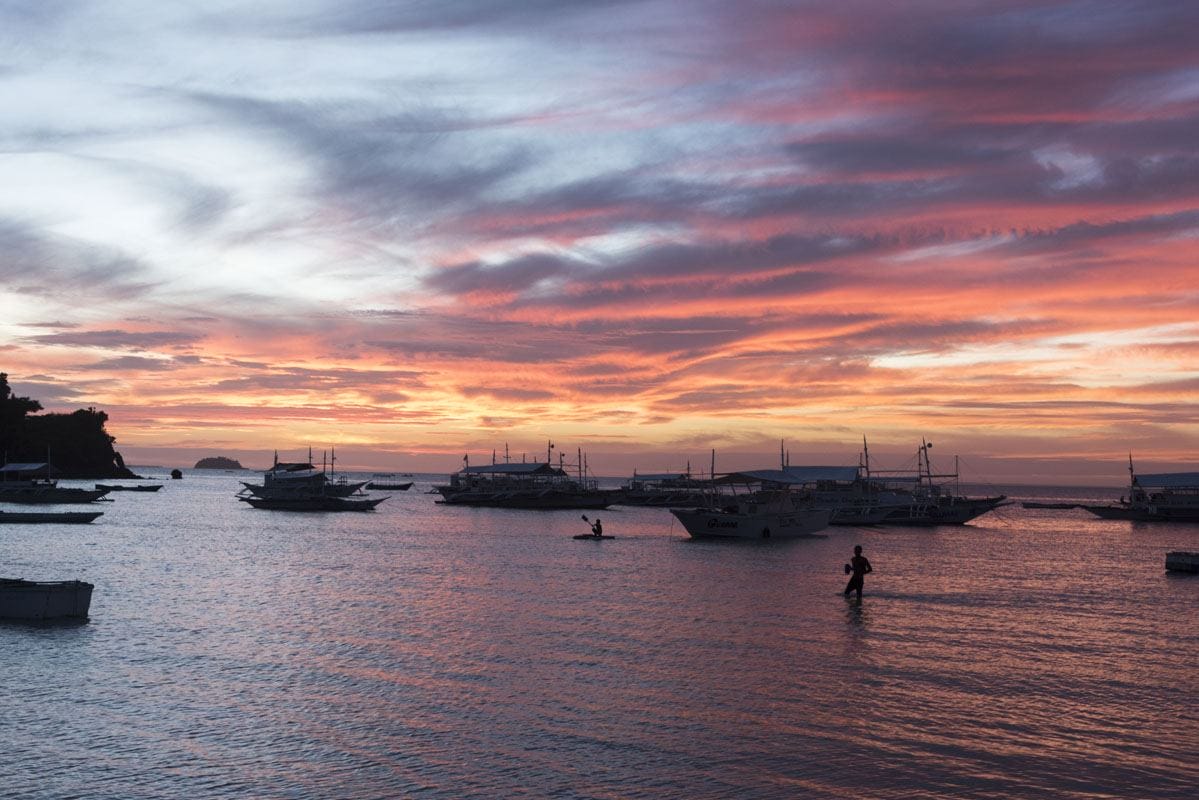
x: 592, y: 536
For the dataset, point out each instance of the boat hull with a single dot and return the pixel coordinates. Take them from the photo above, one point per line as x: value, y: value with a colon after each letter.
x: 1126, y: 512
x: 48, y: 495
x: 389, y: 487
x: 958, y: 512
x: 1180, y: 561
x: 706, y: 523
x: 154, y: 487
x: 313, y: 503
x: 68, y: 517
x: 44, y: 600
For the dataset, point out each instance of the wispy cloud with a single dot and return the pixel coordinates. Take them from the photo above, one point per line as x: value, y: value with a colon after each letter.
x: 646, y: 221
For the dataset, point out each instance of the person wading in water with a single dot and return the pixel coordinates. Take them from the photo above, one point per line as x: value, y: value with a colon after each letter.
x: 859, y: 565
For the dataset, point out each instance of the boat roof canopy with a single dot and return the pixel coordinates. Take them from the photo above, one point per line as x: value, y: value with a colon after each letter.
x: 659, y: 476
x: 813, y: 474
x: 760, y: 476
x: 1167, y: 480
x: 24, y: 467
x: 523, y: 468
x: 791, y: 476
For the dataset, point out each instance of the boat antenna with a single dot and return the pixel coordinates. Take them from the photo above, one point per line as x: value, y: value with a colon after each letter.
x: 506, y: 459
x: 549, y: 445
x: 332, y: 460
x: 712, y: 474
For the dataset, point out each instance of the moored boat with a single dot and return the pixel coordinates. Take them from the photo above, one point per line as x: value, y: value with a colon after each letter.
x: 314, y: 503
x: 766, y: 515
x: 390, y: 487
x: 145, y: 487
x: 31, y: 484
x: 33, y: 517
x: 44, y: 600
x: 758, y: 504
x: 864, y: 496
x: 1160, y: 497
x: 663, y: 489
x: 535, y: 485
x: 1180, y: 561
x: 300, y: 479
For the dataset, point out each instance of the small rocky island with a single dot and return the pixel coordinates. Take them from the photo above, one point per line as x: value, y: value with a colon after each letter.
x: 218, y: 462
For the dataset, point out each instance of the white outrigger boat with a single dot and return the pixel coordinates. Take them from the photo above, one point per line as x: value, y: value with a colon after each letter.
x: 774, y: 513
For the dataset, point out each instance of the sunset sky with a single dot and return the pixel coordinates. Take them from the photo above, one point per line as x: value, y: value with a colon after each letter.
x: 414, y: 230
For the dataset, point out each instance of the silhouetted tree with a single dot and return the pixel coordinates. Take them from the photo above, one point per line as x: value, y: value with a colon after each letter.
x: 13, y: 411
x: 77, y: 443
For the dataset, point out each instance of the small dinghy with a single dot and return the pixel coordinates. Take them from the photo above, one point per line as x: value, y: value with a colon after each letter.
x: 70, y: 517
x: 1180, y: 561
x: 44, y: 600
x: 592, y: 536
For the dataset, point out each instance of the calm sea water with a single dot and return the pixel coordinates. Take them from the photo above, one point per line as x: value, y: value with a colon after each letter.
x: 426, y: 651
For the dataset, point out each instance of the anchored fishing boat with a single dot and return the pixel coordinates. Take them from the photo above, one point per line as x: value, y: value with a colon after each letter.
x: 773, y: 508
x: 314, y: 503
x: 300, y: 479
x: 26, y: 483
x: 301, y: 487
x: 865, y: 496
x: 527, y: 485
x: 1159, y: 497
x: 663, y: 489
x: 145, y: 487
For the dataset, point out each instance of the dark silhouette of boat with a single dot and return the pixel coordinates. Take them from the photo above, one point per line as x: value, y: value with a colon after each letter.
x: 666, y: 489
x: 1160, y: 497
x: 300, y: 479
x: 118, y: 488
x: 68, y: 517
x: 392, y: 487
x: 314, y: 503
x: 537, y: 485
x: 301, y: 487
x: 32, y: 484
x: 44, y: 600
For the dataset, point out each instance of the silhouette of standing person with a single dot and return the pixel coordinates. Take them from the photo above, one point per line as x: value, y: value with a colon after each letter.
x: 597, y: 530
x: 860, y: 566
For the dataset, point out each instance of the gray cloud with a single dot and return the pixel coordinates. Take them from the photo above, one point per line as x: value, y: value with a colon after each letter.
x: 117, y: 339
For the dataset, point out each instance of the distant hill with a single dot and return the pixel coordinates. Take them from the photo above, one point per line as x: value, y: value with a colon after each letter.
x: 218, y: 462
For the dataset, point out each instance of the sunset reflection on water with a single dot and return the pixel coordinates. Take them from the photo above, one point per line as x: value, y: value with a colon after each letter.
x: 473, y: 653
